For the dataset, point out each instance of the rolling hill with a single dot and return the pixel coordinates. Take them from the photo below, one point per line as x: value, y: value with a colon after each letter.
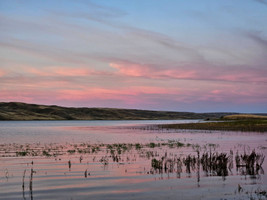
x: 23, y: 111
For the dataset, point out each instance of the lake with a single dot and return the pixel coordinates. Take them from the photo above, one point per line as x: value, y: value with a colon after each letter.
x: 128, y: 160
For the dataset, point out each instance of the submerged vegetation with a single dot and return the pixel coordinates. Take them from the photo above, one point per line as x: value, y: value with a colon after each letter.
x: 164, y: 157
x: 36, y: 149
x: 162, y: 160
x: 158, y: 159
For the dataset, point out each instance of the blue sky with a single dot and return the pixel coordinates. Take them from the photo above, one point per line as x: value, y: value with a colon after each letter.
x: 162, y: 55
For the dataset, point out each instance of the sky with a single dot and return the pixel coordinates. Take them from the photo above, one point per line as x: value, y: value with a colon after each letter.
x: 199, y: 56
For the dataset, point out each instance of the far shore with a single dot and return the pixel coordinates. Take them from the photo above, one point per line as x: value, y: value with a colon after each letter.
x: 244, y: 123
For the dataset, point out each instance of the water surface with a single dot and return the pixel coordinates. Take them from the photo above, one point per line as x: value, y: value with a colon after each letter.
x: 132, y: 176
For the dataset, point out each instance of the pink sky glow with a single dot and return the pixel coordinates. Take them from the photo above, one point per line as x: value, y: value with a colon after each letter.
x: 116, y: 55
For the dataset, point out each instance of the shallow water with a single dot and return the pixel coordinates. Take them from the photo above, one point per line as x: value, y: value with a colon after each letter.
x: 132, y: 176
x: 74, y: 131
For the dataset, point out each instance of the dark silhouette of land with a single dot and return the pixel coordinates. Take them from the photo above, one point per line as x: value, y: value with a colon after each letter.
x: 23, y: 111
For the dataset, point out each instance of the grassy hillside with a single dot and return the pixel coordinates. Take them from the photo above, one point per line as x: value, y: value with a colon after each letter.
x: 22, y: 111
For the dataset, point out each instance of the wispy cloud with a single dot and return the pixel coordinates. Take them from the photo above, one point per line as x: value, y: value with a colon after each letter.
x: 2, y: 72
x: 98, y: 55
x: 193, y: 72
x: 261, y: 1
x: 259, y: 39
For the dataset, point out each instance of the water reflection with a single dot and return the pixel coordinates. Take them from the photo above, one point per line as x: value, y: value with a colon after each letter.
x: 23, y: 184
x: 212, y: 164
x: 87, y: 165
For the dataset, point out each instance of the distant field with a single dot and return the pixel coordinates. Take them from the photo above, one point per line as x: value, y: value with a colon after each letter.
x: 248, y: 123
x: 244, y: 116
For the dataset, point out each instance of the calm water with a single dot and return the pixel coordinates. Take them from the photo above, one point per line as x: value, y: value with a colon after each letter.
x: 131, y: 177
x: 75, y: 131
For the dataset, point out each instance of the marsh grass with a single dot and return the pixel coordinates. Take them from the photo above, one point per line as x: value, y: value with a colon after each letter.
x: 104, y: 160
x: 22, y: 153
x: 249, y: 163
x: 23, y: 180
x: 167, y: 158
x: 23, y: 184
x: 6, y: 174
x: 212, y: 162
x: 69, y: 164
x: 45, y: 153
x: 30, y: 183
x: 85, y: 173
x: 247, y: 125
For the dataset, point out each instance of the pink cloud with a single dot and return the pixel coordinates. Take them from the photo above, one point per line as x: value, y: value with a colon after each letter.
x: 130, y: 69
x: 119, y: 94
x: 124, y: 87
x: 2, y: 73
x: 57, y: 71
x: 191, y: 72
x: 133, y: 96
x: 216, y: 91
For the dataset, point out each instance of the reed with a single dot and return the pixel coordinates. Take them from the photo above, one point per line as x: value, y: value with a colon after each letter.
x: 69, y: 164
x: 30, y: 183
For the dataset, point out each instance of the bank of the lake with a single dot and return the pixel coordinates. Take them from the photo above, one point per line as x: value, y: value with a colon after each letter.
x: 236, y: 125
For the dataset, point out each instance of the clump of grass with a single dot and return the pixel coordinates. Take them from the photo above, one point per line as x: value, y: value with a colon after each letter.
x: 173, y: 143
x: 71, y: 151
x: 157, y: 165
x: 261, y: 193
x: 45, y: 153
x: 215, y: 163
x: 138, y: 146
x: 104, y: 160
x: 95, y: 149
x: 152, y: 145
x: 109, y: 146
x: 189, y: 163
x: 22, y: 153
x: 179, y: 144
x: 251, y: 161
x: 115, y: 158
x: 80, y: 150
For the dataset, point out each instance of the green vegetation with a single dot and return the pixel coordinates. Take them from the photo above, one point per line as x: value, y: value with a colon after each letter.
x: 21, y: 153
x: 243, y: 117
x: 138, y: 146
x: 245, y: 124
x: 23, y: 111
x: 45, y: 153
x: 71, y: 151
x: 11, y: 150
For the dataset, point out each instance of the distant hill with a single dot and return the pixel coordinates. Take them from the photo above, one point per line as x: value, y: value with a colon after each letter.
x: 23, y: 111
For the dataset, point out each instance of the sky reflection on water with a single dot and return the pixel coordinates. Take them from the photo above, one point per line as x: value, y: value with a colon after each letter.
x: 132, y: 176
